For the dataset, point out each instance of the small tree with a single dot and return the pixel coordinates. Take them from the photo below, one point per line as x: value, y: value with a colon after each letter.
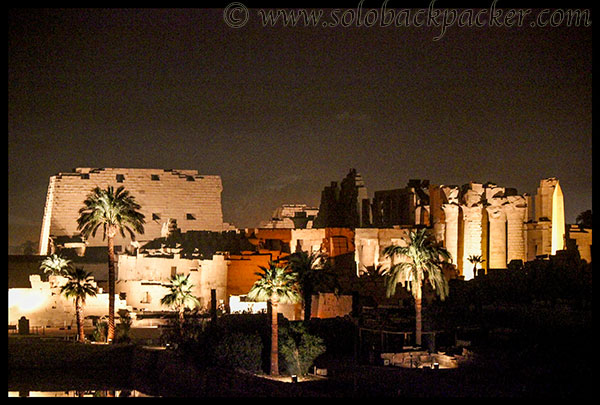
x: 79, y: 286
x: 115, y: 211
x: 100, y: 331
x: 276, y: 284
x: 123, y: 328
x: 180, y: 297
x: 475, y: 260
x: 299, y: 348
x: 423, y: 260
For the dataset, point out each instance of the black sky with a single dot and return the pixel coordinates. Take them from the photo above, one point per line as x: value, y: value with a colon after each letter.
x: 279, y: 112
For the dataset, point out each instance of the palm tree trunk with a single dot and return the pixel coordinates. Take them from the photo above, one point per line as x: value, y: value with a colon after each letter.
x: 418, y: 322
x: 274, y: 338
x: 181, y: 320
x: 79, y: 317
x: 308, y: 304
x: 111, y: 290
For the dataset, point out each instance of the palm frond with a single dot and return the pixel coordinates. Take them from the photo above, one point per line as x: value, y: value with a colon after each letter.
x: 313, y: 271
x: 422, y: 259
x: 275, y: 283
x: 56, y: 265
x: 79, y: 285
x: 400, y: 273
x: 108, y: 209
x: 180, y: 293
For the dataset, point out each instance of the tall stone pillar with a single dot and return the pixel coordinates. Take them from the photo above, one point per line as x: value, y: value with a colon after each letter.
x: 451, y: 212
x: 472, y: 217
x: 516, y: 216
x: 497, y: 236
x: 558, y: 220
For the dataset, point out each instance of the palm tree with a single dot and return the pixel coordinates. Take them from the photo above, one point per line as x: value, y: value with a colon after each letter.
x: 312, y: 273
x: 56, y: 265
x: 425, y: 259
x: 276, y: 284
x: 114, y: 211
x: 79, y: 286
x: 180, y: 296
x: 475, y: 260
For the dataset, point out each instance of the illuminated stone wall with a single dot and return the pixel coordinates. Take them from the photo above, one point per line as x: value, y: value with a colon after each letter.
x: 370, y: 243
x: 193, y: 200
x: 582, y: 238
x: 44, y: 306
x: 546, y: 233
x: 308, y: 240
x: 144, y: 278
x: 241, y: 272
x: 328, y: 305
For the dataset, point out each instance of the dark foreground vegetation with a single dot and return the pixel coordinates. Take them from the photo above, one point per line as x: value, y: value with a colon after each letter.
x: 528, y: 330
x: 559, y: 364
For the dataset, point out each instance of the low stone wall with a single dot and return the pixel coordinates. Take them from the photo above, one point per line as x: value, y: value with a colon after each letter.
x: 420, y: 359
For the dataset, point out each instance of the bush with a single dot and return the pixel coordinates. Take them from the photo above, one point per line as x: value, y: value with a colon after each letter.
x: 299, y: 348
x: 123, y: 328
x: 100, y: 332
x: 259, y: 324
x: 183, y: 335
x: 240, y: 350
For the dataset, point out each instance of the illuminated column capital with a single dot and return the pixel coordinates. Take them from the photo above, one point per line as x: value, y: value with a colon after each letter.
x: 516, y: 208
x: 496, y: 213
x: 451, y: 211
x: 472, y: 213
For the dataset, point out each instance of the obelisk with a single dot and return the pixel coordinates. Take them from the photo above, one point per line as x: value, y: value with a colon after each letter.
x: 558, y: 220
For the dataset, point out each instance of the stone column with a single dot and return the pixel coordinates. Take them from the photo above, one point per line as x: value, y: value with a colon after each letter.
x: 497, y: 237
x: 472, y: 236
x: 451, y: 230
x: 516, y: 215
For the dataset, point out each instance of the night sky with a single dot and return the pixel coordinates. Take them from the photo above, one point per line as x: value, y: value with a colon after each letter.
x: 280, y: 112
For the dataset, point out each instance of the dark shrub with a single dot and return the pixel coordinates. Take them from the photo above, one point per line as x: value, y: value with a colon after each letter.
x: 240, y: 350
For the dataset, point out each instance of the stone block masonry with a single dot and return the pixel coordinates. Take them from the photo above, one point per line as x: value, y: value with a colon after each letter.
x: 193, y: 200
